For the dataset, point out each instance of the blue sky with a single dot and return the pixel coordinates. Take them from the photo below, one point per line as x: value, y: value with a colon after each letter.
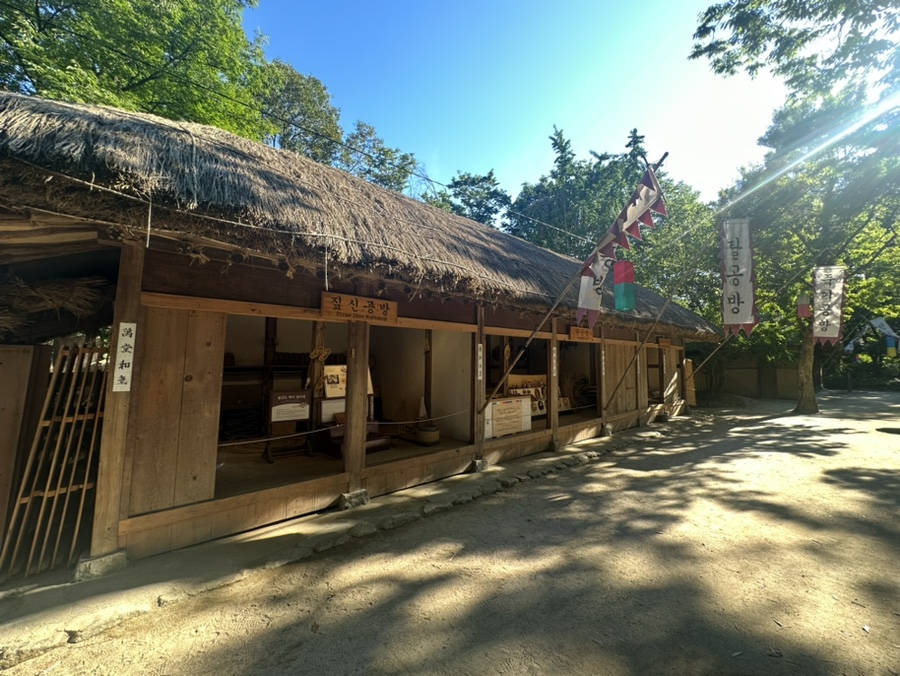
x: 475, y: 85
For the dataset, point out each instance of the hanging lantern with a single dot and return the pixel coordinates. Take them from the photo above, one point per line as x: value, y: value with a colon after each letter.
x: 803, y: 309
x: 623, y: 276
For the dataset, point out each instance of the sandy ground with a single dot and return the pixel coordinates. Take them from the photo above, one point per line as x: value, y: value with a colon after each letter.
x: 753, y: 543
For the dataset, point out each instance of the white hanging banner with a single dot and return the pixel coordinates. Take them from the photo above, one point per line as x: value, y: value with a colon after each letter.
x: 124, y: 362
x: 590, y: 294
x: 738, y: 280
x: 828, y: 303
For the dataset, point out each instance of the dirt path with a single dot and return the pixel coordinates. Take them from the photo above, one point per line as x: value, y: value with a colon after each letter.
x: 763, y: 544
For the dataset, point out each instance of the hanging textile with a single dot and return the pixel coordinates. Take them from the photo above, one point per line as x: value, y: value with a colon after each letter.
x: 738, y: 277
x: 646, y: 198
x: 590, y: 295
x: 828, y: 303
x: 623, y: 276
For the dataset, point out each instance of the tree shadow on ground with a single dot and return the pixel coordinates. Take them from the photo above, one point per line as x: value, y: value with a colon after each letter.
x: 595, y: 579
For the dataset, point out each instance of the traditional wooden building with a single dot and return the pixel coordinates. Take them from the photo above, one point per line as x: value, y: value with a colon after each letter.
x: 276, y: 336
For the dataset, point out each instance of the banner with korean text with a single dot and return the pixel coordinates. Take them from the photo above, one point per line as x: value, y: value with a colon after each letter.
x: 828, y: 303
x: 738, y: 277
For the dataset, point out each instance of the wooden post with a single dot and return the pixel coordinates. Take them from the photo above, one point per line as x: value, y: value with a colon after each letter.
x: 354, y: 444
x: 638, y: 364
x: 553, y: 386
x: 479, y: 371
x: 107, y: 503
x: 507, y: 357
x: 15, y: 372
x: 428, y: 372
x: 316, y: 373
x: 601, y: 380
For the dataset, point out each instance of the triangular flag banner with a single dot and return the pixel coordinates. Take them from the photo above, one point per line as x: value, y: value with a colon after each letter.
x: 623, y: 276
x: 738, y: 277
x: 647, y: 197
x: 828, y: 303
x: 590, y: 295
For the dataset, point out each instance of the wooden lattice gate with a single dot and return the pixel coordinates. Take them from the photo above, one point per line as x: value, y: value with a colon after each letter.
x: 53, y: 504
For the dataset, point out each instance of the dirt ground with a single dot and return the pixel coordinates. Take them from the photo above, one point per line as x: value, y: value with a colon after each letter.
x: 755, y: 542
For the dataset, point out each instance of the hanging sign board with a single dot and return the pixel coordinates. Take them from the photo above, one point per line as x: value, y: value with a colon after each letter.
x: 124, y: 362
x: 738, y: 279
x: 828, y: 303
x: 286, y: 406
x: 342, y: 306
x: 580, y: 333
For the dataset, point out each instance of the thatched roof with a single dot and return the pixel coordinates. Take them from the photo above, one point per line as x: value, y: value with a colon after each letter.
x: 208, y: 184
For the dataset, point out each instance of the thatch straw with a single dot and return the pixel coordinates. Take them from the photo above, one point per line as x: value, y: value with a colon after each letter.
x: 275, y: 203
x: 10, y: 321
x: 82, y: 297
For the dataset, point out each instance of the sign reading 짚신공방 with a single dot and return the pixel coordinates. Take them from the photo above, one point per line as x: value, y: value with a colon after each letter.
x: 343, y: 306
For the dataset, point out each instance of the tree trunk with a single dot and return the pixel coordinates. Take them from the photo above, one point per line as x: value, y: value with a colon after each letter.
x: 806, y: 404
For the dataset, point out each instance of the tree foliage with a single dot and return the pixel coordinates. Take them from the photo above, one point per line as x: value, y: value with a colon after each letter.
x: 300, y: 111
x: 184, y: 59
x: 838, y: 205
x: 813, y: 45
x: 568, y: 209
x: 473, y: 196
x: 365, y: 154
x: 827, y: 192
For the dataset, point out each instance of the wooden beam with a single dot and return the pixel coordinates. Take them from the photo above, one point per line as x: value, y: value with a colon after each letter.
x: 232, y: 307
x: 105, y: 535
x: 354, y: 445
x: 601, y: 378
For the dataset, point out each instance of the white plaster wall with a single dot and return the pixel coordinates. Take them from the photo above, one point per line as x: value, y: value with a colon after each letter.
x: 452, y: 378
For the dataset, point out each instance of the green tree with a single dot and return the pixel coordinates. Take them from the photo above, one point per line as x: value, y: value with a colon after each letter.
x: 813, y: 45
x: 568, y: 209
x: 364, y: 154
x: 826, y: 192
x: 300, y: 110
x: 477, y: 197
x: 837, y: 206
x: 182, y: 59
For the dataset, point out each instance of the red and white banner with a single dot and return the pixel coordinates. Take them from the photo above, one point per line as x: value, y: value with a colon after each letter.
x: 738, y: 277
x: 590, y: 296
x: 647, y: 197
x: 828, y: 303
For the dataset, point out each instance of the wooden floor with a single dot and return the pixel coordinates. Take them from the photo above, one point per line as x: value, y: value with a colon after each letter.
x: 243, y: 469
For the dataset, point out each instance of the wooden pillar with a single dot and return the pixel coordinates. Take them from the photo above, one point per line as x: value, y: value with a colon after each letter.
x: 507, y: 358
x: 357, y: 411
x: 638, y: 369
x: 428, y: 372
x: 601, y: 379
x: 316, y: 373
x: 271, y: 346
x: 553, y: 386
x: 110, y: 475
x: 479, y: 370
x: 15, y: 375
